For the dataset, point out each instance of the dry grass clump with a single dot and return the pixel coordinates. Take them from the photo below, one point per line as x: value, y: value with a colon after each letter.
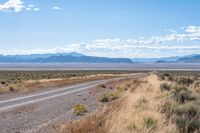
x: 169, y: 107
x: 89, y: 124
x: 131, y: 127
x: 141, y: 103
x: 94, y: 123
x: 123, y: 87
x: 13, y: 89
x: 107, y: 97
x: 79, y: 109
x: 149, y: 122
x: 136, y: 83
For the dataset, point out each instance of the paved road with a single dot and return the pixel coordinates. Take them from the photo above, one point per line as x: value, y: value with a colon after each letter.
x: 16, y: 102
x: 34, y: 113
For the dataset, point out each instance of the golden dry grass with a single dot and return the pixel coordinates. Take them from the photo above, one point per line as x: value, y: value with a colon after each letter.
x: 143, y: 102
x: 94, y: 123
x: 137, y: 111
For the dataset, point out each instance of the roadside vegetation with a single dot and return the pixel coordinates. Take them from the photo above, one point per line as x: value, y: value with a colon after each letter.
x: 163, y: 102
x: 182, y: 106
x: 23, y: 81
x: 115, y: 94
x: 79, y: 109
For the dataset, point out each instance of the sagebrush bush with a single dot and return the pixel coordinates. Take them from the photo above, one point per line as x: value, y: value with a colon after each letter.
x: 188, y: 126
x: 103, y: 98
x: 188, y: 117
x: 185, y: 81
x: 189, y: 110
x: 149, y: 122
x: 79, y: 109
x: 165, y: 76
x: 182, y: 94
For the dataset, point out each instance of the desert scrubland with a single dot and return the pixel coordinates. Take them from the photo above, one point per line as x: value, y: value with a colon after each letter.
x: 162, y: 102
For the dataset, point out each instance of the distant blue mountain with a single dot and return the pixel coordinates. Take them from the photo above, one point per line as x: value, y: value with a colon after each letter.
x: 195, y: 58
x: 81, y: 58
x: 190, y: 59
x: 60, y: 58
x: 33, y: 56
x: 156, y: 60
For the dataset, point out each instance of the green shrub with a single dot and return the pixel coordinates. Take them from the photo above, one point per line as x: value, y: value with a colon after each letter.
x: 188, y: 126
x: 79, y: 109
x: 188, y: 117
x: 185, y: 81
x: 189, y: 110
x: 149, y: 122
x: 182, y: 94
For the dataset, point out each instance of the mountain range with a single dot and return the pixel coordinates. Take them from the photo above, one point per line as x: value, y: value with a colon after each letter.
x: 81, y: 58
x: 60, y: 58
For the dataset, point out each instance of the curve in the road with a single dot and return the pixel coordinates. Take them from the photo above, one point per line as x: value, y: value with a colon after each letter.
x: 16, y: 102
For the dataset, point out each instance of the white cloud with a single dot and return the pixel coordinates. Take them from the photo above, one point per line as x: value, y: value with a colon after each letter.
x: 28, y: 9
x: 193, y: 29
x: 57, y: 8
x: 12, y: 5
x: 31, y: 6
x: 17, y: 6
x: 36, y: 9
x: 187, y: 42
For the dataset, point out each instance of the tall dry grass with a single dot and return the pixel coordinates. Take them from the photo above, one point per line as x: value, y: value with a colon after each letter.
x: 137, y: 111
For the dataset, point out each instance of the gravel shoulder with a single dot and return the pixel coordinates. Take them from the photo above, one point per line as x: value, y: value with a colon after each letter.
x: 40, y: 117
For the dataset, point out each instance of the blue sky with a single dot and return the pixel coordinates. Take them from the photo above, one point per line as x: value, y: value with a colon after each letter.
x: 113, y: 28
